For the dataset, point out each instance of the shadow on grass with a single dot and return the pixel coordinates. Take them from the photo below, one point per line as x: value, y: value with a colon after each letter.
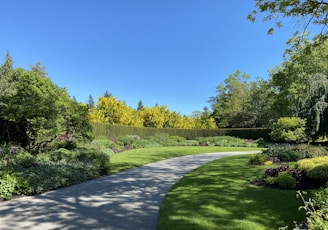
x: 219, y: 196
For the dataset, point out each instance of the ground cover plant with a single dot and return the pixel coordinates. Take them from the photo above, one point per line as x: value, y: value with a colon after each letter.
x: 219, y: 195
x: 22, y: 173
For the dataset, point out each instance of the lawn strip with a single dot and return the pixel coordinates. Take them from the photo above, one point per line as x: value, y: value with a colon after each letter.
x: 218, y: 195
x: 138, y: 157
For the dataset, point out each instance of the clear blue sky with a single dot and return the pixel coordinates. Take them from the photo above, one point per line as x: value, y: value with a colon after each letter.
x: 170, y: 52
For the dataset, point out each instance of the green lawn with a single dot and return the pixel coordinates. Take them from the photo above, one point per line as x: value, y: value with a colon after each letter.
x: 138, y: 157
x: 218, y: 195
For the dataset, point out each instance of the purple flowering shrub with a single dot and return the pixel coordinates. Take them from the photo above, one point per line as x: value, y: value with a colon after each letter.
x: 274, y: 172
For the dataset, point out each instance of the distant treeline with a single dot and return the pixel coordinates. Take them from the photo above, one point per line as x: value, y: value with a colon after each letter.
x: 108, y: 130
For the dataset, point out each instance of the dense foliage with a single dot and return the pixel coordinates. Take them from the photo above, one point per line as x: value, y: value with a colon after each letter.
x: 110, y: 110
x: 103, y: 129
x: 289, y: 129
x: 22, y: 173
x: 34, y: 112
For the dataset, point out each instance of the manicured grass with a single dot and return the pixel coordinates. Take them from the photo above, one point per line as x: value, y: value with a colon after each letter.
x: 218, y: 195
x: 138, y: 157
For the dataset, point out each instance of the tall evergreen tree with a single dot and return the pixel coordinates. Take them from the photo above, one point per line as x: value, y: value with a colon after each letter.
x: 140, y: 105
x: 91, y: 102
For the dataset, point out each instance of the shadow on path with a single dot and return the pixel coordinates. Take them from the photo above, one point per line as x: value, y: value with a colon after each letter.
x: 123, y: 201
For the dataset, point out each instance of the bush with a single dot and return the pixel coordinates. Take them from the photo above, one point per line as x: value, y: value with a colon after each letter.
x: 308, y: 164
x: 321, y: 198
x: 289, y: 129
x: 25, y: 160
x: 127, y: 140
x: 319, y: 172
x: 7, y: 186
x: 315, y: 168
x: 274, y: 172
x: 225, y: 141
x: 283, y: 153
x: 60, y: 154
x: 98, y: 159
x: 316, y: 215
x: 189, y: 143
x: 104, y: 142
x: 258, y: 159
x: 285, y: 180
x: 310, y: 151
x: 11, y: 183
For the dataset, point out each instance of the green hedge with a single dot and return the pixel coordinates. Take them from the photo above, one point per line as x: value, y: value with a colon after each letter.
x: 100, y: 129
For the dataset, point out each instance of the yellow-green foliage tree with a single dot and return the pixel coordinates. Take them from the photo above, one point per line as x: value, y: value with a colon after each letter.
x: 154, y: 116
x: 113, y: 111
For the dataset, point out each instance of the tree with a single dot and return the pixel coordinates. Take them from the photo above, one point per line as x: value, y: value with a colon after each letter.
x: 305, y: 13
x: 140, y: 105
x: 154, y: 116
x: 231, y: 107
x: 204, y: 120
x: 315, y: 105
x: 39, y: 69
x: 301, y: 82
x: 113, y: 111
x: 7, y: 68
x: 91, y: 103
x: 262, y: 98
x: 37, y: 112
x: 107, y: 94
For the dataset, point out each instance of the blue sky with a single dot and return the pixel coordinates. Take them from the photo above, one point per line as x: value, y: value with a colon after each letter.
x: 170, y: 52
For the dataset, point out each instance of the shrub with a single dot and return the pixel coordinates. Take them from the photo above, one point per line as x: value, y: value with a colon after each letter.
x: 25, y: 160
x: 177, y: 139
x: 258, y: 159
x: 7, y: 186
x: 60, y: 154
x: 310, y: 151
x: 286, y: 180
x: 308, y: 164
x: 268, y: 163
x: 283, y: 176
x: 321, y: 198
x: 99, y: 159
x: 283, y: 153
x: 225, y: 141
x: 270, y: 180
x: 319, y: 172
x: 189, y: 143
x: 289, y: 129
x: 316, y: 216
x: 11, y: 183
x: 127, y: 140
x: 104, y: 142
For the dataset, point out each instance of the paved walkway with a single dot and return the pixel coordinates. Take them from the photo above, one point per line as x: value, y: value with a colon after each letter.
x: 129, y: 200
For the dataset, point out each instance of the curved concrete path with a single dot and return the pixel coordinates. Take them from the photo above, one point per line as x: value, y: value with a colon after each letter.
x: 123, y: 201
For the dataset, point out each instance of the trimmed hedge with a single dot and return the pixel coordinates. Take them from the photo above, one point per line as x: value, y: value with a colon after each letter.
x: 108, y: 130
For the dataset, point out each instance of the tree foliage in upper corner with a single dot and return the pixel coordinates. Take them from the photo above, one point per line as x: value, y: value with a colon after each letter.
x: 305, y: 13
x: 34, y: 112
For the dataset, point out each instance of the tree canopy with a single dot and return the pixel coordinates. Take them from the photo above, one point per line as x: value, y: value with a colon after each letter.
x: 303, y: 12
x: 34, y: 112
